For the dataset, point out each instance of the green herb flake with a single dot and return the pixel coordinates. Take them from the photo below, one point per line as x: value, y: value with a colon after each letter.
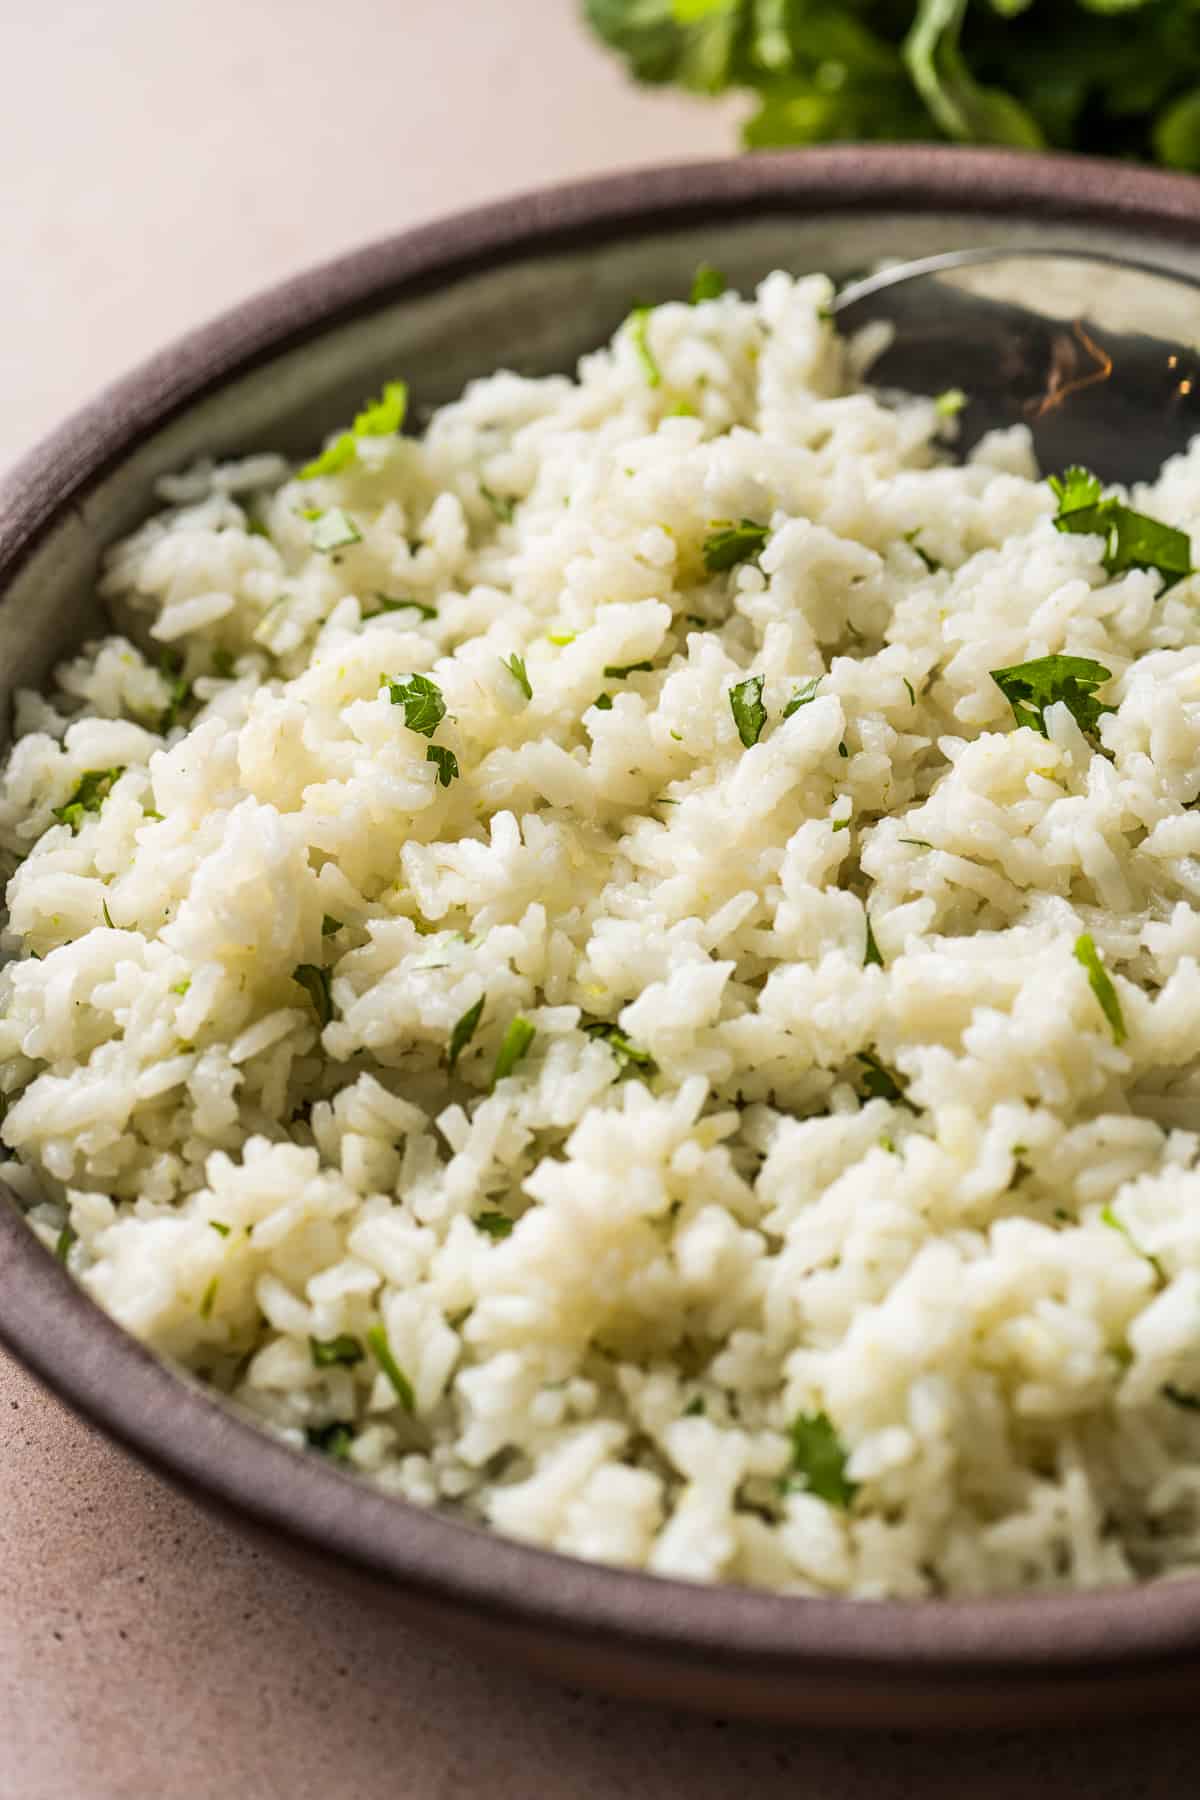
x: 221, y: 1229
x: 463, y: 1032
x: 560, y: 639
x: 950, y: 403
x: 94, y: 788
x: 446, y: 761
x: 1132, y: 540
x: 806, y: 692
x: 515, y: 1045
x: 208, y: 1298
x: 627, y: 1053
x: 871, y: 955
x: 818, y: 1462
x: 843, y: 752
x: 1180, y: 1397
x: 1101, y: 985
x: 421, y: 698
x: 749, y: 713
x: 330, y: 926
x: 912, y: 539
x: 908, y: 688
x: 180, y: 987
x: 621, y: 671
x: 315, y: 982
x: 387, y: 604
x: 107, y: 915
x: 694, y: 1408
x: 603, y: 703
x: 880, y: 1083
x: 1031, y: 687
x: 728, y: 544
x: 179, y: 692
x: 917, y: 843
x: 379, y: 418
x: 333, y: 1441
x: 381, y: 1350
x: 843, y: 824
x: 494, y: 1224
x: 333, y: 530
x: 329, y: 1353
x: 708, y: 283
x: 1108, y: 1217
x: 516, y: 667
x: 503, y: 506
x: 62, y: 1243
x: 639, y: 333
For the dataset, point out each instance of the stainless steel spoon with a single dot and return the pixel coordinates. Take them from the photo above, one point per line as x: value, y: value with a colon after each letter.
x: 1098, y: 356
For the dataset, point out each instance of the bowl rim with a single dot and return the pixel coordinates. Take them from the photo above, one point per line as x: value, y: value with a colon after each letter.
x: 165, y: 1417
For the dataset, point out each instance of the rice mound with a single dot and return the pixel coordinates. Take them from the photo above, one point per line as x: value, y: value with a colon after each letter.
x: 823, y: 1237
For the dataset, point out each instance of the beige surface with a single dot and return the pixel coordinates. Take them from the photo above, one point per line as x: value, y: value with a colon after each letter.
x: 152, y: 169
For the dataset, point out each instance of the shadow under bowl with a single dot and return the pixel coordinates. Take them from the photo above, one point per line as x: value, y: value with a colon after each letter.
x: 529, y: 284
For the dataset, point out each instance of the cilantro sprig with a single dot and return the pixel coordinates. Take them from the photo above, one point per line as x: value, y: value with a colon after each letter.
x: 746, y: 705
x: 1100, y: 982
x: 379, y: 418
x: 1030, y: 687
x: 729, y: 543
x: 463, y: 1032
x: 1132, y: 540
x: 818, y: 1461
x: 628, y: 1055
x: 514, y: 1046
x: 421, y: 698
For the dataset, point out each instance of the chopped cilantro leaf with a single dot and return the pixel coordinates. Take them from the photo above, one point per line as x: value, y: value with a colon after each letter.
x: 494, y: 1224
x: 561, y: 638
x: 819, y: 1459
x: 208, y: 1298
x: 910, y: 538
x: 421, y: 698
x: 619, y: 671
x: 330, y: 925
x: 804, y: 693
x: 1132, y: 540
x: 843, y: 824
x: 387, y: 605
x: 107, y: 915
x: 516, y: 667
x: 879, y: 1083
x: 871, y: 954
x: 842, y: 750
x: 949, y: 403
x: 503, y: 506
x: 728, y: 544
x: 603, y: 703
x: 707, y: 284
x: 463, y: 1032
x: 447, y: 763
x: 622, y: 1047
x: 94, y: 788
x: 181, y: 987
x: 912, y: 698
x: 315, y: 982
x: 333, y: 1441
x: 379, y: 418
x: 62, y: 1244
x: 917, y: 843
x: 381, y: 1349
x: 221, y: 1229
x: 515, y: 1045
x: 1101, y: 985
x: 333, y: 530
x: 329, y: 1352
x: 1180, y: 1397
x: 694, y: 1408
x: 639, y: 327
x: 1031, y: 687
x: 749, y: 713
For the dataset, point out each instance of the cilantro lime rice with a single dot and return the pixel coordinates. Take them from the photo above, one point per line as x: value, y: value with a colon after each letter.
x: 629, y: 966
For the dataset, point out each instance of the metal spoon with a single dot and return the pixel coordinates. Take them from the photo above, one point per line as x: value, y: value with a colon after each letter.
x: 1098, y: 356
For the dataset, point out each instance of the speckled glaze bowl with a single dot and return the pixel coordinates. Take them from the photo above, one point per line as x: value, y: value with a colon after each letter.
x: 530, y: 284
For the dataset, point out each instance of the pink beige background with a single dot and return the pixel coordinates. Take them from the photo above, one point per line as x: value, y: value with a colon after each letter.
x: 160, y: 159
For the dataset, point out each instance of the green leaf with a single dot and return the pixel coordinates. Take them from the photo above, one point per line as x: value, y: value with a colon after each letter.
x: 639, y: 327
x: 503, y: 507
x: 421, y: 698
x: 871, y: 955
x: 948, y: 404
x: 94, y: 788
x: 62, y: 1244
x: 623, y: 1048
x: 382, y: 1352
x: 181, y: 987
x: 818, y: 1464
x: 447, y: 763
x: 516, y: 667
x: 749, y: 713
x: 728, y: 544
x: 1132, y: 540
x: 388, y: 605
x: 107, y: 916
x: 333, y: 530
x: 208, y: 1298
x: 330, y: 926
x: 515, y: 1045
x: 880, y: 1083
x: 707, y: 284
x: 179, y: 692
x: 315, y: 982
x: 463, y: 1032
x: 333, y: 1441
x: 910, y: 538
x: 343, y: 1350
x: 621, y: 671
x: 221, y: 1229
x: 494, y: 1224
x: 1101, y: 985
x: 804, y: 693
x: 379, y: 418
x: 1031, y: 687
x: 694, y: 1408
x: 603, y: 703
x: 962, y: 108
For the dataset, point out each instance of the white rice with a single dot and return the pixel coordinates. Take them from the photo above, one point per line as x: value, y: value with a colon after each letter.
x: 980, y: 1298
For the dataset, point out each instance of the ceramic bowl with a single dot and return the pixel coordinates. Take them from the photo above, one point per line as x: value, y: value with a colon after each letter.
x: 530, y: 284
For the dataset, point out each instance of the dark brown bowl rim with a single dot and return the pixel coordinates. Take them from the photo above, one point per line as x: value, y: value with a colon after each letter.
x: 168, y: 1420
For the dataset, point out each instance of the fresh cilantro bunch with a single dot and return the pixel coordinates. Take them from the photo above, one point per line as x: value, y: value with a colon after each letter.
x: 1112, y: 77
